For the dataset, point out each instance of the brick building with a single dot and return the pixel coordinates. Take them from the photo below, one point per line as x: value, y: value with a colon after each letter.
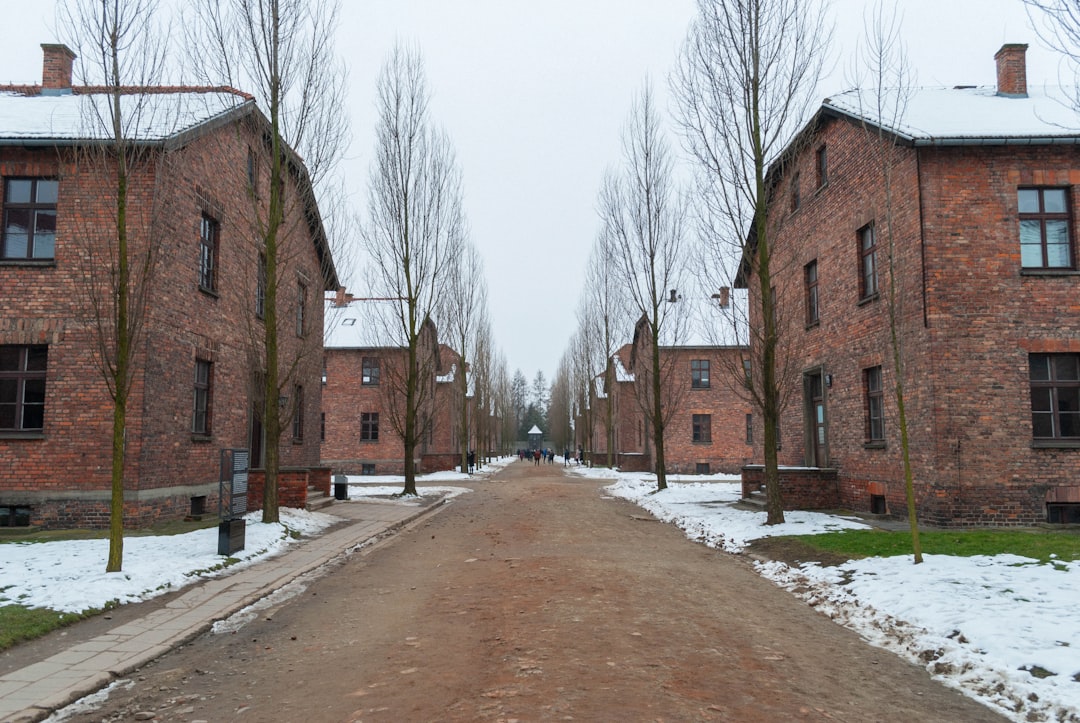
x: 709, y: 421
x: 983, y: 183
x: 364, y: 359
x: 199, y: 177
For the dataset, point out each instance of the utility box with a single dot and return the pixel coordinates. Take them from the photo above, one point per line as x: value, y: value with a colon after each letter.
x: 232, y: 500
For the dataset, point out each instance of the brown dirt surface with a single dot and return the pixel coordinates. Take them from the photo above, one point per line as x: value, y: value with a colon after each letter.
x: 536, y: 597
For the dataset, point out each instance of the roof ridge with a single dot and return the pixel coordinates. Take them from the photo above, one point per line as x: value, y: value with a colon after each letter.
x: 36, y: 90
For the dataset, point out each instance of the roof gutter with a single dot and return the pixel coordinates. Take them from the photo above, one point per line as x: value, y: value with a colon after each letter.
x: 999, y: 141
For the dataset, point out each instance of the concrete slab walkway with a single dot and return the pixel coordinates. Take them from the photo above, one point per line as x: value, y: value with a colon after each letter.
x: 33, y: 692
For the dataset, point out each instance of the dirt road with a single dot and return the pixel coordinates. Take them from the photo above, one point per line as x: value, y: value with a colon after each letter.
x: 537, y: 598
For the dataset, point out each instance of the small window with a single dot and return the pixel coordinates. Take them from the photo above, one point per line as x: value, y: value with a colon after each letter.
x: 322, y: 426
x: 702, y: 468
x: 369, y: 374
x: 1044, y: 228
x: 367, y: 469
x: 702, y: 428
x: 301, y: 309
x: 369, y: 426
x: 298, y: 414
x: 252, y: 171
x: 875, y: 405
x: 14, y: 516
x: 1055, y: 395
x: 348, y: 322
x: 1063, y: 513
x: 749, y: 428
x: 868, y: 276
x: 699, y: 373
x: 796, y: 199
x: 22, y: 388
x: 260, y: 288
x: 822, y: 164
x: 200, y: 420
x: 29, y: 230
x: 748, y: 376
x: 810, y: 275
x: 208, y: 253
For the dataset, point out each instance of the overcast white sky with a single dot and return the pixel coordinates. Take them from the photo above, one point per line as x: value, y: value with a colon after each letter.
x: 533, y: 96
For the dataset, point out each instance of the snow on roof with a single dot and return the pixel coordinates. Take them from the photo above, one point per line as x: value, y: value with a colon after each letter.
x: 535, y: 430
x: 363, y: 325
x: 152, y: 116
x: 621, y: 375
x: 967, y: 114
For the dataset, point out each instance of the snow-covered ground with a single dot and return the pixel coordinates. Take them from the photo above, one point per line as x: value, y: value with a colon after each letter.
x: 70, y: 575
x: 1003, y: 629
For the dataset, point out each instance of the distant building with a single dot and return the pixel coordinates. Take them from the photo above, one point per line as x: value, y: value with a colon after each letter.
x: 362, y: 399
x: 709, y: 421
x: 205, y: 163
x: 984, y: 187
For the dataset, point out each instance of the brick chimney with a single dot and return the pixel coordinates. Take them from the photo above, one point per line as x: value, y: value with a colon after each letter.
x: 1012, y: 70
x: 56, y: 73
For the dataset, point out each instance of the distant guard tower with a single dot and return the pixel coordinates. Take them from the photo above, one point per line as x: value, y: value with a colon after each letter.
x: 536, y: 437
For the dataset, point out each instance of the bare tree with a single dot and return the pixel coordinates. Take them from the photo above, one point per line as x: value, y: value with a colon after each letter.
x: 462, y: 311
x: 1058, y: 24
x: 484, y: 393
x: 644, y: 217
x: 282, y: 50
x: 121, y: 47
x: 605, y: 317
x: 745, y: 83
x: 885, y: 83
x: 413, y: 229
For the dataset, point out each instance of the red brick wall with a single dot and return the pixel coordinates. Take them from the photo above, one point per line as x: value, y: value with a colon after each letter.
x: 345, y: 398
x: 803, y: 488
x: 969, y: 317
x: 64, y: 474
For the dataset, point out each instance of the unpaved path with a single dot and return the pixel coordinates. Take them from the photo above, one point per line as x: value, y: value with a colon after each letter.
x: 537, y: 598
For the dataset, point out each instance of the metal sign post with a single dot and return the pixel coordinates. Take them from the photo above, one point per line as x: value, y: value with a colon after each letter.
x: 232, y: 500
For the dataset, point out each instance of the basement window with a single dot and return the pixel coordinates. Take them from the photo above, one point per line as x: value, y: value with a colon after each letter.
x: 14, y: 516
x: 1063, y: 513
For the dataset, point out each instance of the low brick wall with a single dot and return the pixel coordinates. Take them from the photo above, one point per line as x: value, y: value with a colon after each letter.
x: 292, y: 487
x: 803, y: 488
x: 633, y: 462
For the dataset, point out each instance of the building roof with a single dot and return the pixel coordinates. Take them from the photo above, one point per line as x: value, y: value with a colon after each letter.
x: 152, y: 115
x: 364, y: 324
x: 966, y: 115
x: 535, y: 430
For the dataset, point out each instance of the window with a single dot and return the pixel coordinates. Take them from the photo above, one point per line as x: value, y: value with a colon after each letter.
x: 298, y: 414
x: 702, y: 468
x: 868, y: 281
x: 252, y: 174
x: 749, y: 428
x: 200, y: 420
x: 748, y: 377
x: 702, y: 428
x: 822, y: 164
x: 367, y: 469
x: 699, y: 373
x: 875, y: 405
x: 22, y: 388
x: 1055, y: 395
x: 260, y: 288
x: 29, y: 218
x: 795, y: 198
x: 1044, y: 228
x: 369, y: 375
x: 208, y: 252
x: 322, y: 426
x: 811, y: 278
x: 301, y: 309
x: 14, y: 516
x: 369, y: 426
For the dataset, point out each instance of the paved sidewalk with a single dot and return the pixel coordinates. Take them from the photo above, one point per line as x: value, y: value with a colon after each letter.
x: 34, y: 692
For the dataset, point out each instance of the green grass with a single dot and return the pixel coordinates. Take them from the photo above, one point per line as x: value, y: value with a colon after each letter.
x: 19, y: 624
x: 1044, y: 545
